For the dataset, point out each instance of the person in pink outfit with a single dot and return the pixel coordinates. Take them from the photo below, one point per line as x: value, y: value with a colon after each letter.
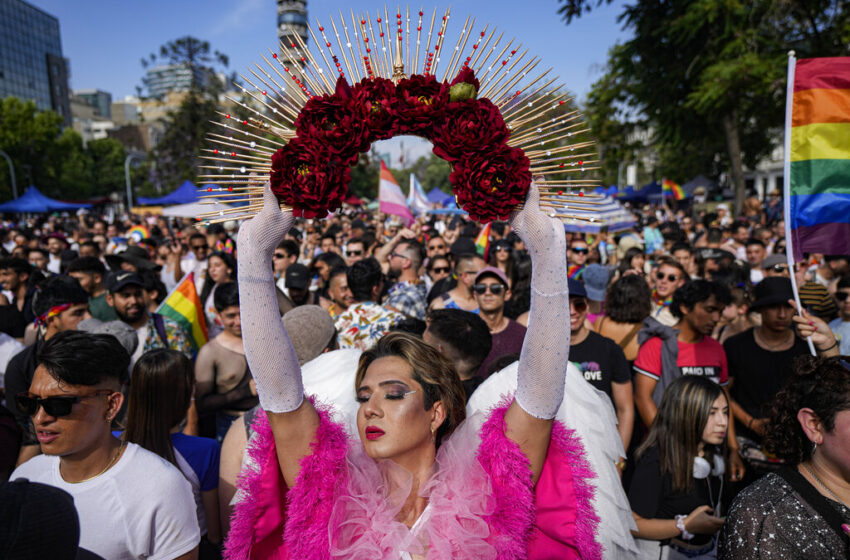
x: 418, y: 479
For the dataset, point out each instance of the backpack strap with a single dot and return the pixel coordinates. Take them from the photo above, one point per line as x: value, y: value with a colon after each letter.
x: 629, y: 336
x: 159, y: 323
x: 815, y: 499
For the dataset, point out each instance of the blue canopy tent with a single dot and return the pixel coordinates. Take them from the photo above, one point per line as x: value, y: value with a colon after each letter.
x: 33, y: 202
x: 652, y: 191
x: 184, y: 194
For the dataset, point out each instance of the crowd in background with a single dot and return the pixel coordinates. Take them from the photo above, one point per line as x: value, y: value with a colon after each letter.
x: 686, y: 322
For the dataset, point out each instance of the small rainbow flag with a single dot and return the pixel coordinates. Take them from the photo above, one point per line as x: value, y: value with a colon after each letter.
x: 138, y: 232
x: 672, y: 189
x: 817, y: 156
x: 482, y: 242
x: 184, y: 306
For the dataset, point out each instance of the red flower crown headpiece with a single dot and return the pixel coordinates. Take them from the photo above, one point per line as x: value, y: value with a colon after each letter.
x: 305, y: 137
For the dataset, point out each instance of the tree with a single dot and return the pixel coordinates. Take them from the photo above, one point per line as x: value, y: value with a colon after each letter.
x: 707, y: 76
x: 28, y: 136
x: 176, y: 156
x: 107, y: 156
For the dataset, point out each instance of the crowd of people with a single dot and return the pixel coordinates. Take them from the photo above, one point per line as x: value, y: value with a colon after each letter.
x: 733, y: 438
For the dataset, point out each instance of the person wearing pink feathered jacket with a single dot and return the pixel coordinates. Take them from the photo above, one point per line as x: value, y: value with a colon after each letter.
x: 420, y: 479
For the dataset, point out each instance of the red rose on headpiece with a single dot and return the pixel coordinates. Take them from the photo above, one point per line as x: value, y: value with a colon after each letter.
x: 334, y: 121
x: 377, y: 99
x: 421, y: 101
x: 467, y: 127
x: 488, y: 185
x: 311, y: 180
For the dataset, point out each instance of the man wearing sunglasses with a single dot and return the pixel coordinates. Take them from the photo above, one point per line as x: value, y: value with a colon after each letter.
x: 285, y: 254
x: 601, y: 361
x: 577, y: 258
x: 668, y: 277
x: 131, y: 503
x: 355, y: 250
x: 60, y: 305
x: 408, y: 294
x: 491, y: 292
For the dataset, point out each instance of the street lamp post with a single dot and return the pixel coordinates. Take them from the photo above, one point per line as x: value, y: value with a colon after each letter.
x: 12, y: 171
x: 127, y: 178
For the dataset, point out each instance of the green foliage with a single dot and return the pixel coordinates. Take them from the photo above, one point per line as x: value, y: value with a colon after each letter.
x: 176, y: 157
x: 704, y: 76
x: 52, y: 159
x: 364, y: 176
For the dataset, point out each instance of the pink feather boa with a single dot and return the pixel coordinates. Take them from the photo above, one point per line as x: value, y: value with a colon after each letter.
x: 481, y: 505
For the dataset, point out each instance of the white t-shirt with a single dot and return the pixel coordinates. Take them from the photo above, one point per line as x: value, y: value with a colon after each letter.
x: 142, y: 335
x: 141, y: 508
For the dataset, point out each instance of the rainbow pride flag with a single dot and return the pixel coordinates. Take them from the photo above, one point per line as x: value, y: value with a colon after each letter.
x: 482, y: 242
x: 817, y: 156
x: 671, y: 189
x: 184, y: 306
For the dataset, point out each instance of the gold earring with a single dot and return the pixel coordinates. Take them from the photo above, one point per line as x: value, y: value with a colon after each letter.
x: 433, y: 439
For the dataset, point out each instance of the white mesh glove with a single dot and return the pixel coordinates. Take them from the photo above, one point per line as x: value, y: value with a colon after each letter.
x: 546, y: 349
x: 271, y: 358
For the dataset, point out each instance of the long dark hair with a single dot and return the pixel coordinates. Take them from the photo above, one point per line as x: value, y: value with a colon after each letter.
x: 628, y: 300
x: 229, y: 262
x: 678, y: 427
x: 822, y: 384
x: 163, y: 381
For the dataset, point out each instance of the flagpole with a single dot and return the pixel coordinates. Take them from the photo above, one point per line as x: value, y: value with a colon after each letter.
x: 786, y: 187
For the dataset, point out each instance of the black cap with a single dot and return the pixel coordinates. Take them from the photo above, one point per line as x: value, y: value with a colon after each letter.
x: 297, y: 276
x: 117, y: 281
x: 134, y: 255
x: 463, y: 246
x: 576, y: 288
x: 771, y: 291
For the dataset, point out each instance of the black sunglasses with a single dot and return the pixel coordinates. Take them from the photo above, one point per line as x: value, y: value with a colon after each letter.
x: 53, y: 406
x: 199, y: 247
x: 441, y: 269
x: 580, y: 250
x: 279, y: 256
x: 841, y: 296
x: 670, y: 277
x: 579, y: 303
x: 355, y: 253
x: 495, y: 289
x: 780, y: 268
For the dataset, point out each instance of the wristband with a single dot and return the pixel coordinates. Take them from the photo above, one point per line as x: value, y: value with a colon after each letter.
x: 680, y: 525
x: 750, y: 425
x: 834, y: 344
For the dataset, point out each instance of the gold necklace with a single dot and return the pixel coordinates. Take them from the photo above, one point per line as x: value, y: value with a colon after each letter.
x: 771, y: 348
x: 824, y: 486
x: 108, y: 466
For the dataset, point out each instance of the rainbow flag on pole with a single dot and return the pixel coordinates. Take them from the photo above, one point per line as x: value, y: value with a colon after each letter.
x: 817, y: 156
x: 672, y: 190
x: 184, y: 306
x: 482, y: 242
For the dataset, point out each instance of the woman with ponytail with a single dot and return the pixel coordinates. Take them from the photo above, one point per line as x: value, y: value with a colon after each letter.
x: 803, y: 510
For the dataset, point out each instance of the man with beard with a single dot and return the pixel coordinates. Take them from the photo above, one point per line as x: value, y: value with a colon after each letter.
x: 125, y: 295
x: 408, y: 294
x: 339, y: 294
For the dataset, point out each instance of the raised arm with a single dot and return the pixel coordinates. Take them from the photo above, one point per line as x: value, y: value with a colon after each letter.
x: 268, y: 349
x: 545, y: 351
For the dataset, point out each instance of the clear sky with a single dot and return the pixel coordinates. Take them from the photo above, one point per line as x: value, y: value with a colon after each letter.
x: 105, y: 39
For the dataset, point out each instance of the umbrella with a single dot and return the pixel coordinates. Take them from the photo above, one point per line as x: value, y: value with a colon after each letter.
x: 605, y: 211
x: 32, y: 201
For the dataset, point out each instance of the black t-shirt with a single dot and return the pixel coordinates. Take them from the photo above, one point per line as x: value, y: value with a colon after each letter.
x: 758, y: 373
x: 601, y: 362
x: 651, y: 493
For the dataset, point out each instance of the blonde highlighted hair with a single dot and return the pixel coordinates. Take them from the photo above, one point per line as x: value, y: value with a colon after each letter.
x: 437, y: 375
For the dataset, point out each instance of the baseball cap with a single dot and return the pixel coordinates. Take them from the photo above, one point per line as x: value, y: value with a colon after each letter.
x: 576, y: 288
x: 492, y: 271
x: 297, y: 276
x: 595, y: 277
x: 310, y: 329
x: 773, y: 260
x: 626, y: 243
x: 117, y: 281
x: 463, y: 246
